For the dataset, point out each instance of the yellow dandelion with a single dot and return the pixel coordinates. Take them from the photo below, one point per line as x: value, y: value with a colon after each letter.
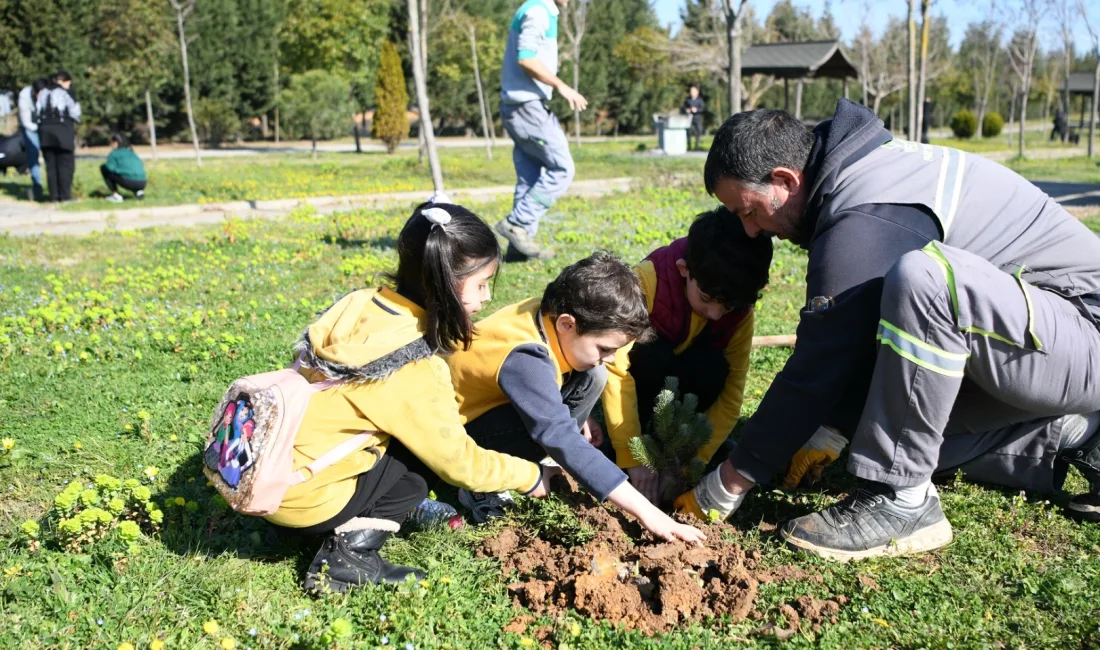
x: 527, y: 642
x: 156, y: 644
x: 125, y: 646
x: 210, y: 627
x: 7, y: 443
x: 77, y: 445
x: 228, y: 643
x: 445, y: 580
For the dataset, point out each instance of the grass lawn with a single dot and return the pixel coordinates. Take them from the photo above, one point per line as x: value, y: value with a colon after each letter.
x: 1065, y: 170
x: 296, y: 175
x: 1006, y: 141
x: 115, y: 347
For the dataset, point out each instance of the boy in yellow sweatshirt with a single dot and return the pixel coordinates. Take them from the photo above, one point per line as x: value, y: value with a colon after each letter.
x: 528, y: 382
x: 699, y: 292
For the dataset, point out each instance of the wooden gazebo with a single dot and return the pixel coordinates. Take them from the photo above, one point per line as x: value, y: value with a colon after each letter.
x: 800, y: 61
x: 1080, y: 84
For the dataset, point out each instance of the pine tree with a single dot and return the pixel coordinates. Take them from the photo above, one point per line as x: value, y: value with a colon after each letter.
x: 390, y: 124
x: 677, y: 433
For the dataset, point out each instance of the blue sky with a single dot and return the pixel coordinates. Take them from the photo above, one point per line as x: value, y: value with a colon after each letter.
x: 849, y: 15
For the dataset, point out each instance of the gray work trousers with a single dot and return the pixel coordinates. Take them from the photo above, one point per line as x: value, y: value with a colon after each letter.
x: 974, y: 370
x: 544, y: 166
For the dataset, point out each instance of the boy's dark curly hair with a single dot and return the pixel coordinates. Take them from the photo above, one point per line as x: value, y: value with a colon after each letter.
x: 603, y: 294
x: 727, y: 264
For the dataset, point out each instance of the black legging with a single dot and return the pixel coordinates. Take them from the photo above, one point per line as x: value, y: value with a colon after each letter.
x: 59, y: 173
x: 114, y: 181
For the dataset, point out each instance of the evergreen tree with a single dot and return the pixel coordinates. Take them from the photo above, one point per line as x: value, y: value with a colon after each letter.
x: 318, y: 105
x: 677, y: 433
x: 390, y: 123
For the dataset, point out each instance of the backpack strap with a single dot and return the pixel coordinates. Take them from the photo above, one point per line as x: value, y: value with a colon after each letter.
x: 333, y: 456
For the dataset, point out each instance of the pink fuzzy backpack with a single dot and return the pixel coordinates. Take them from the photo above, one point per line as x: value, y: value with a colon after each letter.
x: 249, y: 453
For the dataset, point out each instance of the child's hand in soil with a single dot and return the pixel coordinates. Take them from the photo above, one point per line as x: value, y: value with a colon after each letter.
x: 645, y: 481
x: 592, y: 432
x: 542, y: 490
x: 651, y: 517
x: 670, y: 531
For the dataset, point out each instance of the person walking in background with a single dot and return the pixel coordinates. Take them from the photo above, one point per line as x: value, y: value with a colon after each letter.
x: 28, y: 128
x: 695, y: 107
x: 123, y: 169
x: 544, y: 166
x: 58, y: 115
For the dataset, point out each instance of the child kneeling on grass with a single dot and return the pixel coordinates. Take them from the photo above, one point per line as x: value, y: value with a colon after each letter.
x: 384, y: 344
x: 699, y: 292
x: 528, y: 382
x: 123, y: 169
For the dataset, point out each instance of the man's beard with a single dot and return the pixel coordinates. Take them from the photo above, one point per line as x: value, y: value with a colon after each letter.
x: 786, y: 213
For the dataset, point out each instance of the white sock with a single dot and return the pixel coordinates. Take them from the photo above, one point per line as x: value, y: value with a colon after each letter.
x: 915, y: 496
x: 1077, y: 429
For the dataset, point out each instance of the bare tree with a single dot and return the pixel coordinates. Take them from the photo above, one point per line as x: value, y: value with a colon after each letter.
x: 1022, y: 50
x: 183, y: 10
x: 912, y: 70
x: 574, y: 26
x: 882, y: 65
x: 1066, y: 16
x: 421, y: 82
x: 480, y: 94
x: 1095, y: 36
x: 735, y: 19
x: 983, y: 62
x: 152, y: 124
x: 925, y: 6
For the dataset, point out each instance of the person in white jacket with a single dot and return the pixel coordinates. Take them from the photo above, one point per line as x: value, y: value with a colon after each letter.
x: 28, y: 128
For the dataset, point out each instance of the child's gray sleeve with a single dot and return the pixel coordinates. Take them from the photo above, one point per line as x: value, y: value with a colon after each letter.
x: 527, y: 378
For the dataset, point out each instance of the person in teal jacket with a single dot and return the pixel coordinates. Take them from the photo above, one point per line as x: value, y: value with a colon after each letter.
x: 123, y: 169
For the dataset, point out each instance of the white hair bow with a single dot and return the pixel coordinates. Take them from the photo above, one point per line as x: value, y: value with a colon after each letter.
x: 437, y: 216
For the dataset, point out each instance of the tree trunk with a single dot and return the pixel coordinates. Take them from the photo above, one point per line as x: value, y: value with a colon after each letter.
x: 1023, y: 121
x: 1012, y: 105
x: 276, y: 97
x: 422, y: 21
x: 733, y: 35
x: 798, y: 99
x: 1092, y: 111
x: 263, y: 126
x: 480, y: 96
x: 418, y: 61
x: 187, y: 88
x: 912, y: 71
x: 576, y: 87
x: 355, y: 133
x: 152, y: 123
x: 925, y: 5
x: 313, y: 140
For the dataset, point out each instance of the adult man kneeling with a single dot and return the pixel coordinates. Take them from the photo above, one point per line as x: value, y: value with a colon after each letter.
x: 951, y: 324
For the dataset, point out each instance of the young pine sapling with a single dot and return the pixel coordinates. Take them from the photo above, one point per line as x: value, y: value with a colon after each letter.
x: 677, y: 432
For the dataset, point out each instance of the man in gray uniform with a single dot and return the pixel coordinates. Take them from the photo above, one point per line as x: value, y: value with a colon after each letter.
x: 951, y: 324
x: 544, y: 167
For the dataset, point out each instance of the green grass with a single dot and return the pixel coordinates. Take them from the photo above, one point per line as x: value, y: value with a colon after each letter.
x: 98, y: 330
x: 297, y: 175
x: 1006, y: 141
x: 1065, y: 170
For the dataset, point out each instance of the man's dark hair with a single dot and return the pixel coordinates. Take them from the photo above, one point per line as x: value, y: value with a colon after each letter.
x: 38, y: 85
x: 603, y: 294
x: 749, y: 145
x: 727, y: 264
x: 695, y: 86
x: 120, y: 139
x: 61, y: 75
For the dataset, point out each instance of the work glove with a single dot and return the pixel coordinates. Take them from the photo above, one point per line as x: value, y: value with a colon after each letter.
x: 710, y: 500
x: 819, y: 452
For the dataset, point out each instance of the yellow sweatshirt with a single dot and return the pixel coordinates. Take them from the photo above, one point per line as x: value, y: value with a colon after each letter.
x: 415, y: 404
x: 620, y: 400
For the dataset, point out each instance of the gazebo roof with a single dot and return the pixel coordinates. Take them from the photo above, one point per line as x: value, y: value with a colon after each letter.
x: 797, y: 60
x: 1080, y: 83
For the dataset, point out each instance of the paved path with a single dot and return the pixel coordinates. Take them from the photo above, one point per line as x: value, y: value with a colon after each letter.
x: 21, y: 219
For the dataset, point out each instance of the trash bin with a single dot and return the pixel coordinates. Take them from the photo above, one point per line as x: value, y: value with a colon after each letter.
x: 672, y: 132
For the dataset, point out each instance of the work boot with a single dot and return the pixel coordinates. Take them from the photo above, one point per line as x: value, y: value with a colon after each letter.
x: 868, y: 523
x: 1085, y: 458
x: 485, y: 505
x: 350, y: 559
x: 520, y: 241
x: 37, y: 195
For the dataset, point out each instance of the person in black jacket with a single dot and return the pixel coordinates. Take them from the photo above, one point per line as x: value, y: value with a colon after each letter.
x: 58, y: 115
x: 695, y: 107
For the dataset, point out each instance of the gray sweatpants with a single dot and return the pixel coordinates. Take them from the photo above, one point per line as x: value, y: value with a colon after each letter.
x: 974, y: 370
x: 544, y: 167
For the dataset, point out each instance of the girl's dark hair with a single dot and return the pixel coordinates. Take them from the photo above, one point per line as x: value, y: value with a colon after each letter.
x: 120, y: 139
x: 433, y: 260
x: 38, y: 85
x: 603, y: 294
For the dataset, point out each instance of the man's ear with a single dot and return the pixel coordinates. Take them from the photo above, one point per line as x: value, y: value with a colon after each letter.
x: 565, y: 323
x: 682, y: 266
x: 790, y: 179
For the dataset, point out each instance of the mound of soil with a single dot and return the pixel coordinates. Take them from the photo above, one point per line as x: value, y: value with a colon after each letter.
x: 625, y: 576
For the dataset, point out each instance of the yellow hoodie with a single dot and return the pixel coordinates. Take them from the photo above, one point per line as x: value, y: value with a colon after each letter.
x: 398, y: 388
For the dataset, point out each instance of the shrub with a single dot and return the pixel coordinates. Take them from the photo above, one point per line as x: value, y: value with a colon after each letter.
x: 318, y: 105
x: 216, y: 121
x: 964, y: 124
x: 111, y: 507
x: 992, y: 124
x: 390, y: 123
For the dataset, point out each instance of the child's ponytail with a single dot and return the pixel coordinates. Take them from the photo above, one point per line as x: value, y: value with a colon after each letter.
x: 441, y: 244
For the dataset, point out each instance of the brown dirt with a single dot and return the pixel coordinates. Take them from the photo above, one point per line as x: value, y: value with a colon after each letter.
x: 625, y: 576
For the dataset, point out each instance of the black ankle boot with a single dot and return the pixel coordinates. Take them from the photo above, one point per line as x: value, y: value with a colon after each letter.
x: 348, y: 560
x: 1085, y: 458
